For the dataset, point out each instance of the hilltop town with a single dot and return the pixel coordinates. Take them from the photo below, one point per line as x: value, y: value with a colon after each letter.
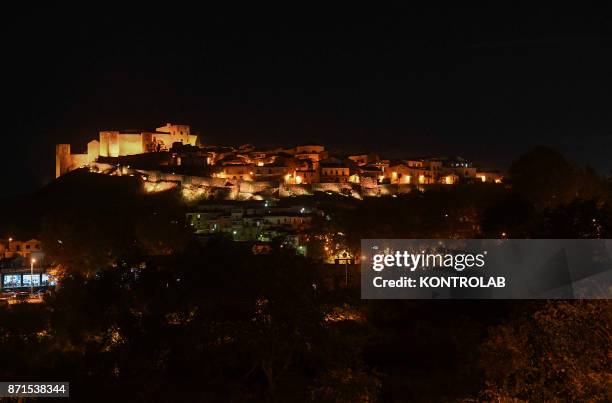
x: 171, y: 156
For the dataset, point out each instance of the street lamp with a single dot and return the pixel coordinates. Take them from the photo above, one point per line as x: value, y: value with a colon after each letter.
x: 32, y: 276
x: 346, y: 273
x: 8, y: 248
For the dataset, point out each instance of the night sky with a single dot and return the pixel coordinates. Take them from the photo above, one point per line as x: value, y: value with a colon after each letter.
x: 487, y: 84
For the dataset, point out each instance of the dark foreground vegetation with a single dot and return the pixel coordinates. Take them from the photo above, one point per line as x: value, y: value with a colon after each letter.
x: 146, y: 313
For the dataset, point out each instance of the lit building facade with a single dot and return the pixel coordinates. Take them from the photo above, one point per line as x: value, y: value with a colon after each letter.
x: 334, y: 173
x: 118, y: 144
x: 10, y: 248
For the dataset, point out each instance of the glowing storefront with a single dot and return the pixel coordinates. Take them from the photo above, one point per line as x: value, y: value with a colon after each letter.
x: 23, y: 279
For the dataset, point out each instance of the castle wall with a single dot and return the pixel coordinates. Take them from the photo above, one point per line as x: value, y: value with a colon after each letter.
x: 175, y: 134
x: 113, y: 144
x: 167, y: 139
x: 368, y: 182
x: 106, y: 169
x: 404, y: 188
x: 370, y: 192
x: 254, y: 187
x: 129, y: 144
x: 174, y: 129
x: 62, y: 159
x: 387, y: 189
x: 196, y: 188
x: 78, y: 160
x: 105, y: 139
x: 116, y: 144
x: 66, y: 162
x: 295, y: 190
x: 330, y: 187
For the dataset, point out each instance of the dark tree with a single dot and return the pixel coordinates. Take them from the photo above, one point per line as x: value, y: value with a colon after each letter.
x: 544, y: 177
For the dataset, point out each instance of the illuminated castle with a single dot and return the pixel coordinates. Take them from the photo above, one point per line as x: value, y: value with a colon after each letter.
x: 170, y: 157
x: 118, y: 143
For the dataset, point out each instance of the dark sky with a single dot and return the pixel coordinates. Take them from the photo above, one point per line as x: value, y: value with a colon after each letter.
x: 487, y: 84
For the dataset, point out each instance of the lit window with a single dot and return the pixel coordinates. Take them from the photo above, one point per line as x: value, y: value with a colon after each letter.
x: 12, y: 280
x: 29, y: 280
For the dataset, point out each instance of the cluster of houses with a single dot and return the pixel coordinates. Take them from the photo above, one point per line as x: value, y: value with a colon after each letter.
x: 311, y: 163
x: 174, y: 146
x: 258, y: 222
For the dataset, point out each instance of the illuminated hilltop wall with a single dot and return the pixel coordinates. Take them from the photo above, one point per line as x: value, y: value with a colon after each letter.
x: 115, y: 144
x: 118, y: 144
x: 66, y: 162
x: 197, y: 188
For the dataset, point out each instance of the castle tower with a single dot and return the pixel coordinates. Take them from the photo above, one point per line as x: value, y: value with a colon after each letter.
x: 109, y: 144
x: 63, y: 160
x: 178, y: 133
x: 93, y: 150
x: 104, y: 144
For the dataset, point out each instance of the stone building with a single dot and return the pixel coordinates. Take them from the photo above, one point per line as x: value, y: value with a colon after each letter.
x: 10, y: 248
x: 123, y: 143
x: 334, y: 171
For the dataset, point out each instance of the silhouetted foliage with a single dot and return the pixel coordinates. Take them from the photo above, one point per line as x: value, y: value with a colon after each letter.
x: 579, y: 219
x: 116, y: 221
x: 562, y: 351
x: 215, y: 324
x: 512, y: 216
x: 544, y: 177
